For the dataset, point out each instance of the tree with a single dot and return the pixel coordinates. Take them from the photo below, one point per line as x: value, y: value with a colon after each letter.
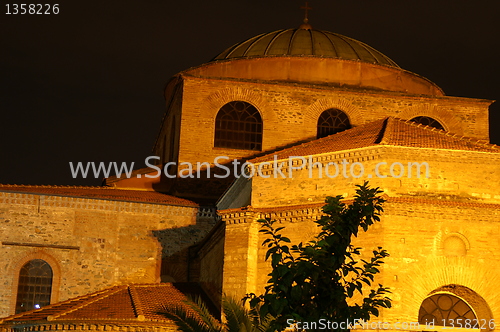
x: 313, y: 281
x: 236, y: 318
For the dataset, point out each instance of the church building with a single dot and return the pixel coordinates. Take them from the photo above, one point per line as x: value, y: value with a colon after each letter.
x: 312, y: 113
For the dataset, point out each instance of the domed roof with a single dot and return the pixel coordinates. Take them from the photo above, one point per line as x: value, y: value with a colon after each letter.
x: 305, y: 41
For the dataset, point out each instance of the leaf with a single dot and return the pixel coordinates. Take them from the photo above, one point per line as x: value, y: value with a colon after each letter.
x: 276, y: 259
x: 322, y: 274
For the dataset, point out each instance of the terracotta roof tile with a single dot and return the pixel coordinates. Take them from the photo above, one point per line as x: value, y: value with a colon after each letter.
x: 408, y: 133
x: 357, y: 137
x: 387, y: 132
x: 106, y: 193
x: 146, y: 302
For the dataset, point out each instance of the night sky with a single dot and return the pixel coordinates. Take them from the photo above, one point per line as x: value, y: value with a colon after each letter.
x: 87, y: 84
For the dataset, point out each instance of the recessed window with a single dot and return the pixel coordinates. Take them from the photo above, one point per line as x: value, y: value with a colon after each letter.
x: 238, y: 125
x: 445, y: 310
x: 34, y: 286
x: 427, y: 121
x: 332, y: 121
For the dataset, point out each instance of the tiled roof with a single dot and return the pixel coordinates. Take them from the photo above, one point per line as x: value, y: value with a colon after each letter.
x: 142, y: 303
x: 202, y: 188
x: 408, y: 133
x: 386, y: 132
x: 106, y: 193
x: 202, y: 191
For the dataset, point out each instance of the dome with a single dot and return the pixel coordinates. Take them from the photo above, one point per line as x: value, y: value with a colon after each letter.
x: 308, y: 56
x: 305, y: 41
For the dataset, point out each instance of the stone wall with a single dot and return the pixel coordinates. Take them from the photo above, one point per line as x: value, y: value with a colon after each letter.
x: 441, y: 231
x: 90, y: 244
x: 167, y: 142
x: 415, y: 232
x: 210, y: 259
x: 290, y: 112
x: 453, y: 174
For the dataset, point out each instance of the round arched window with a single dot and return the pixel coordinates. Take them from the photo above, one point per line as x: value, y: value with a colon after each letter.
x: 34, y: 286
x: 332, y: 121
x: 427, y: 121
x: 238, y: 125
x: 445, y: 310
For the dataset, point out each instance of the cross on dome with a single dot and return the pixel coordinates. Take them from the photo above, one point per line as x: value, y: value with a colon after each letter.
x: 306, y: 25
x: 306, y: 12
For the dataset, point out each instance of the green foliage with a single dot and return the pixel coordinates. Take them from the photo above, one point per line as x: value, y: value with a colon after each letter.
x: 236, y: 318
x: 313, y: 281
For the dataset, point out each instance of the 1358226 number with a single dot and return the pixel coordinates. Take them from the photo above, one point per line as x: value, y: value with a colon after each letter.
x: 31, y: 9
x: 482, y: 324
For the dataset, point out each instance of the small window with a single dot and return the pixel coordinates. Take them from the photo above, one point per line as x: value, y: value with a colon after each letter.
x: 445, y: 310
x: 238, y: 125
x: 35, y: 286
x: 332, y: 121
x: 427, y: 121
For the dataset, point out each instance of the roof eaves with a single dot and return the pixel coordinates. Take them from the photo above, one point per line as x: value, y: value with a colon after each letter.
x: 187, y: 203
x: 450, y: 134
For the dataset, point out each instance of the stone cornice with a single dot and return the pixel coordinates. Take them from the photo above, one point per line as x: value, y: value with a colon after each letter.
x: 38, y: 245
x: 300, y: 213
x: 129, y: 325
x: 42, y: 201
x: 283, y: 214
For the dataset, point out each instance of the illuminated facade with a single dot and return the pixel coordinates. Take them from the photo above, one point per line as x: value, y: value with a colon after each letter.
x: 310, y: 99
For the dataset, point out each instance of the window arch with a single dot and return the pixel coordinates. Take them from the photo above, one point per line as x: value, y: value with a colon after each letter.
x: 238, y: 125
x: 445, y: 310
x: 332, y: 121
x: 35, y: 285
x: 428, y: 121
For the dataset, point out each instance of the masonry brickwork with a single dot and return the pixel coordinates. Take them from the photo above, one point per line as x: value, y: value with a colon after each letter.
x: 441, y: 231
x: 91, y: 244
x: 413, y: 231
x: 294, y: 109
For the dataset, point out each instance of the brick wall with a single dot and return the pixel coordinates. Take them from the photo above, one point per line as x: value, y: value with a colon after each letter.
x: 90, y: 244
x: 465, y: 175
x: 412, y: 231
x: 440, y: 231
x: 290, y: 112
x: 210, y: 259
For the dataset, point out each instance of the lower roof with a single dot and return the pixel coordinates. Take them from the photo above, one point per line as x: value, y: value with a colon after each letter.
x: 385, y: 132
x: 126, y: 304
x: 104, y: 193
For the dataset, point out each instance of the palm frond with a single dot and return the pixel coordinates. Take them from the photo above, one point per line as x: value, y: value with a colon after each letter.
x: 185, y: 321
x: 236, y: 316
x: 194, y: 317
x: 202, y: 310
x: 265, y: 323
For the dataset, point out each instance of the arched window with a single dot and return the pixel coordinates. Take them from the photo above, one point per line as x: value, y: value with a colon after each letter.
x: 34, y: 286
x: 445, y: 310
x: 332, y: 121
x: 427, y: 121
x: 238, y: 125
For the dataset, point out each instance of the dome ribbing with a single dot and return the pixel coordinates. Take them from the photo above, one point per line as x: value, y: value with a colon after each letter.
x: 305, y: 42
